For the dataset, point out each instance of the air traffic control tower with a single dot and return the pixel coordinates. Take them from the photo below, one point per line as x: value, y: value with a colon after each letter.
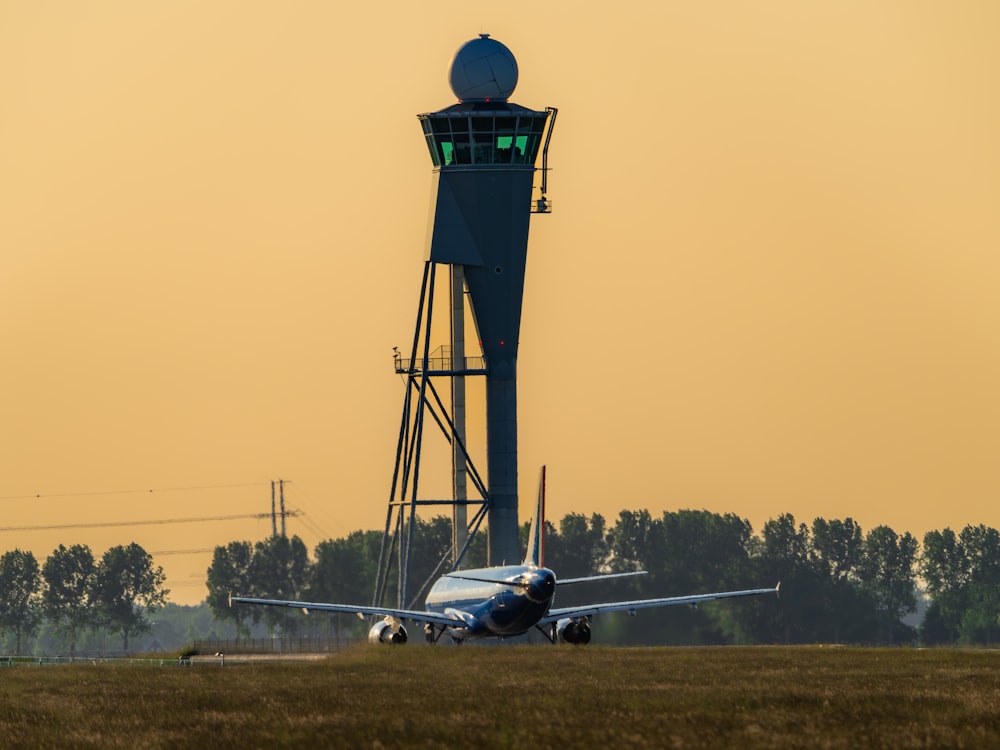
x: 484, y: 151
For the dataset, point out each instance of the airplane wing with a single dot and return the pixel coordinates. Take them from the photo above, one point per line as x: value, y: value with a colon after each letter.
x: 600, y: 577
x: 593, y: 609
x: 356, y: 609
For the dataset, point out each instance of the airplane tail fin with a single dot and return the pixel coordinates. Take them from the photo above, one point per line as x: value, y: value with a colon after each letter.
x: 536, y: 535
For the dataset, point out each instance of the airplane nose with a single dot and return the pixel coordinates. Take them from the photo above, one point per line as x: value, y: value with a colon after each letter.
x: 542, y: 586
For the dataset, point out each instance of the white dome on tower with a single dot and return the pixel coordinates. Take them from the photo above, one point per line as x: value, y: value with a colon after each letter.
x: 483, y: 70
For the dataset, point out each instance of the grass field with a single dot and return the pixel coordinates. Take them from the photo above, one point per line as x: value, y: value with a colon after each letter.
x: 413, y: 696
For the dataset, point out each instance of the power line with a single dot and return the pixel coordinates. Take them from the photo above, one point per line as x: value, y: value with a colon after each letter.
x: 309, y: 524
x: 306, y: 518
x: 191, y: 488
x: 154, y: 522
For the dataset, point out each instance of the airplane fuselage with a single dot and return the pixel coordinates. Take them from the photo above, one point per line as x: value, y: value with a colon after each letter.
x: 520, y: 597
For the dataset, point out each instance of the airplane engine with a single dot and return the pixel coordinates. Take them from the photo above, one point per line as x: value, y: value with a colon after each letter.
x: 383, y: 632
x: 575, y: 631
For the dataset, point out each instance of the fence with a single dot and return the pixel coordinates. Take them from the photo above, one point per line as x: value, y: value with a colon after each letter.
x: 7, y: 662
x: 314, y: 644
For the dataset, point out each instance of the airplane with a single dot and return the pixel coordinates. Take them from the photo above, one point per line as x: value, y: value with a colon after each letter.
x: 500, y: 601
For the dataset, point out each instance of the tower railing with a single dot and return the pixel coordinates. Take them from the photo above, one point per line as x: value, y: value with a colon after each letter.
x: 440, y: 362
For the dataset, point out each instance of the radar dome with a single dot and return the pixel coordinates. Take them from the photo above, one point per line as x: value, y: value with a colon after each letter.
x: 483, y: 69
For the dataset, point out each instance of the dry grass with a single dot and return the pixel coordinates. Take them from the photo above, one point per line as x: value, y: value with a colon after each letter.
x: 518, y: 697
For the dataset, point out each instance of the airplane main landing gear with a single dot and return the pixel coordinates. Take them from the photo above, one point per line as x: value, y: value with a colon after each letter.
x: 433, y: 634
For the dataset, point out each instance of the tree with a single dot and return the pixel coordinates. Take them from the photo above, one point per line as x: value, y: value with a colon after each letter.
x: 982, y: 548
x: 126, y: 587
x: 843, y: 609
x: 69, y: 574
x: 230, y: 574
x: 20, y: 584
x: 700, y: 551
x: 579, y: 548
x: 887, y: 573
x: 945, y: 568
x: 430, y: 556
x: 838, y: 546
x: 980, y: 619
x: 783, y: 554
x: 279, y: 570
x: 344, y: 571
x: 696, y: 551
x: 629, y: 541
x: 981, y: 545
x: 963, y: 577
x: 685, y: 552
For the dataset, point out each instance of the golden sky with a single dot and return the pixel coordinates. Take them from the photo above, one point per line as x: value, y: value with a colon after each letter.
x: 770, y: 282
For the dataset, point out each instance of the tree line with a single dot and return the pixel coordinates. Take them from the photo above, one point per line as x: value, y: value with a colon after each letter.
x: 77, y: 593
x: 839, y: 584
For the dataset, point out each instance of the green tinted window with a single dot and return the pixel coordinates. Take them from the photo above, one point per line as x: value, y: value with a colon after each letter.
x: 447, y: 152
x: 504, y: 149
x: 484, y: 138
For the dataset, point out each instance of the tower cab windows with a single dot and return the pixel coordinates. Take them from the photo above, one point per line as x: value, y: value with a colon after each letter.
x: 480, y: 138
